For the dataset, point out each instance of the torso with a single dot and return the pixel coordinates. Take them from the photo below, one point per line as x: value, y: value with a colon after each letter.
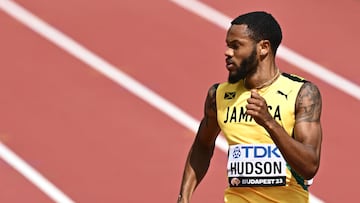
x: 257, y: 171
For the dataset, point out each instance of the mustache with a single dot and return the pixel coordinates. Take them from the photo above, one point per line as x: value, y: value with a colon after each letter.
x: 228, y: 60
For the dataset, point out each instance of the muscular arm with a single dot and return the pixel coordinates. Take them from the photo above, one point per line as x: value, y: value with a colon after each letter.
x: 308, y: 129
x: 303, y: 152
x: 200, y: 154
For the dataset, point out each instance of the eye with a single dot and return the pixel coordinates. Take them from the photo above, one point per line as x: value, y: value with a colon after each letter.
x: 233, y: 46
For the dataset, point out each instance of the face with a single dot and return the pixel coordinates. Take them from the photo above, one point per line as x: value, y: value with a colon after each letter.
x: 241, y: 53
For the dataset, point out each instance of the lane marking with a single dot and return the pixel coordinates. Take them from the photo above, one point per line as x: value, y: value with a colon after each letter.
x: 283, y: 52
x: 9, y: 156
x: 31, y: 174
x: 78, y: 51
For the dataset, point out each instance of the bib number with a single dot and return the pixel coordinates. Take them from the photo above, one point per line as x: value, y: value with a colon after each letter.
x: 252, y: 165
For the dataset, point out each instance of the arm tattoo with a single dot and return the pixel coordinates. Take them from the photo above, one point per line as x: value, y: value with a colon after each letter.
x: 210, y: 104
x: 308, y: 104
x: 212, y: 97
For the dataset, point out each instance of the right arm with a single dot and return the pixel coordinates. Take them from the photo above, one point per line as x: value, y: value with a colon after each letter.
x: 198, y: 160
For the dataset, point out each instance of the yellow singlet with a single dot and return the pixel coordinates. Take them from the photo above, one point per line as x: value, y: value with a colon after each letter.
x: 257, y: 171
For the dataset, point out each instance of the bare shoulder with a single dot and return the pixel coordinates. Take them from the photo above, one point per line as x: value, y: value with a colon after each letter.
x: 210, y: 104
x: 308, y: 103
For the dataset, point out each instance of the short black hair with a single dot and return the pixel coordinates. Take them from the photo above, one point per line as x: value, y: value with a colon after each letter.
x: 262, y: 26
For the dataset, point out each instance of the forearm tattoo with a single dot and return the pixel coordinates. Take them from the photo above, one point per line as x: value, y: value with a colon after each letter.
x: 308, y: 104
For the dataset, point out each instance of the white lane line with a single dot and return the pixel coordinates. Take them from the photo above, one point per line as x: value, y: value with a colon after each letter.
x: 102, y: 66
x: 31, y: 174
x: 14, y: 160
x: 66, y: 43
x: 283, y: 52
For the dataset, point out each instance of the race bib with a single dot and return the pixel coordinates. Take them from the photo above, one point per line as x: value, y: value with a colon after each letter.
x: 251, y: 165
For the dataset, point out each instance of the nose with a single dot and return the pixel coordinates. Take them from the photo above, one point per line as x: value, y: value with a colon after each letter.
x: 229, y: 52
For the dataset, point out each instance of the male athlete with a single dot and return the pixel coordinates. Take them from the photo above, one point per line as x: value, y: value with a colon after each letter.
x: 270, y: 119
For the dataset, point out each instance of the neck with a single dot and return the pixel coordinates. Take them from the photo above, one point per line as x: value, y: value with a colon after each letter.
x: 263, y: 83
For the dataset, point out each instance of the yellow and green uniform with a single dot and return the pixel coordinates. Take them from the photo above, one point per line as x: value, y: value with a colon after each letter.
x: 257, y: 172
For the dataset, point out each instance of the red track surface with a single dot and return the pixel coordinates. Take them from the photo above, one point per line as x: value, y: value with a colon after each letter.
x: 98, y: 143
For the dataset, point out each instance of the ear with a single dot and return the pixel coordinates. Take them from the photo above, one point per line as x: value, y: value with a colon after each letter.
x: 264, y: 47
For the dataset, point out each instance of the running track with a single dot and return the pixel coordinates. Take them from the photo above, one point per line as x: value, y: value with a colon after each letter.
x: 96, y: 139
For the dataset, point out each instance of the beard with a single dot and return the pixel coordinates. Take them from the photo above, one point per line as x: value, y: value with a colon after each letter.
x: 247, y: 66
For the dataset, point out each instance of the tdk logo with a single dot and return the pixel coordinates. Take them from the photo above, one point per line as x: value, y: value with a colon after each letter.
x: 270, y: 151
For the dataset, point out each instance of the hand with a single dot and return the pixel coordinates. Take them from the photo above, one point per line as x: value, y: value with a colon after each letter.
x: 257, y: 108
x: 181, y: 199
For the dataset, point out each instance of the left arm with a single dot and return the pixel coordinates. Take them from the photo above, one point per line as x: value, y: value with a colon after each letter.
x: 303, y: 152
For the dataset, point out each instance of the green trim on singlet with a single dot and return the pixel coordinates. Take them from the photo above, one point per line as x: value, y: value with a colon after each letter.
x: 300, y: 180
